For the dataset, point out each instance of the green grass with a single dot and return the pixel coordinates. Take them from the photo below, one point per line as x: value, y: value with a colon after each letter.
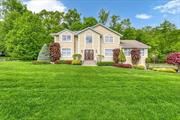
x: 67, y: 92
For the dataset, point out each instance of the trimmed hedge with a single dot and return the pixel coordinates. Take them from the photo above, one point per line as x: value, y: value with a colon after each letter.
x: 123, y: 65
x: 105, y: 63
x: 140, y: 67
x: 76, y: 62
x: 40, y: 62
x: 170, y: 70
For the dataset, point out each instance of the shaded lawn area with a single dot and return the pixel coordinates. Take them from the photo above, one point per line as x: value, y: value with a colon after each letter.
x: 66, y: 92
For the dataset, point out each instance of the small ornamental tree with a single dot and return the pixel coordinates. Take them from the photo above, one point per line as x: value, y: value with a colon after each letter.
x: 54, y: 52
x: 100, y: 57
x: 135, y: 56
x: 44, y: 54
x: 174, y: 58
x: 115, y: 55
x: 122, y: 57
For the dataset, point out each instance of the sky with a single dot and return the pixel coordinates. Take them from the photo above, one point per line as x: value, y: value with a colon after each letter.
x: 140, y: 12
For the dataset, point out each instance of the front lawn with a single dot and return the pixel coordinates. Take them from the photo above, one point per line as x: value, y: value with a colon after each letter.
x: 67, y: 92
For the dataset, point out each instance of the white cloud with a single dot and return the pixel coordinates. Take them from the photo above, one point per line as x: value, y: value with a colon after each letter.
x: 143, y: 16
x: 172, y: 7
x: 49, y: 5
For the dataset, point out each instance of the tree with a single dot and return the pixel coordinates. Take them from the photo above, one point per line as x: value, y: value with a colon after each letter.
x: 135, y: 56
x: 89, y: 21
x: 174, y: 58
x: 52, y: 20
x: 55, y: 52
x: 116, y: 55
x: 122, y: 57
x: 76, y: 26
x: 70, y: 17
x: 26, y: 38
x: 44, y: 54
x: 103, y: 16
x: 114, y: 21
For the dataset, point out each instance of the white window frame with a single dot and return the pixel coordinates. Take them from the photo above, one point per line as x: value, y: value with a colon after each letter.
x: 108, y: 55
x: 142, y: 49
x: 126, y: 52
x: 109, y: 37
x: 66, y: 52
x: 66, y: 38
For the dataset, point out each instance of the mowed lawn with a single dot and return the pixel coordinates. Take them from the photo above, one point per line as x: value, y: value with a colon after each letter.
x: 67, y: 92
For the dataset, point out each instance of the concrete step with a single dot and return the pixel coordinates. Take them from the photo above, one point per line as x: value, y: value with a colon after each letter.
x: 89, y: 63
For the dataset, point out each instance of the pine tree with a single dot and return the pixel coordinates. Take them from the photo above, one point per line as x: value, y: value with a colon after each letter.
x: 44, y: 54
x: 122, y: 57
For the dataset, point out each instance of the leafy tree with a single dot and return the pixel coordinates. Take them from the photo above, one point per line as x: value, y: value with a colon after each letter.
x: 174, y: 58
x: 44, y: 54
x: 122, y: 57
x: 26, y: 38
x: 103, y: 16
x: 70, y: 17
x: 89, y: 21
x: 52, y: 20
x: 76, y: 26
x: 114, y: 21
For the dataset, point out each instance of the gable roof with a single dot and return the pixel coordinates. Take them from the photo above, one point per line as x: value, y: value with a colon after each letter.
x: 88, y: 28
x: 99, y: 24
x: 133, y: 44
x: 55, y: 34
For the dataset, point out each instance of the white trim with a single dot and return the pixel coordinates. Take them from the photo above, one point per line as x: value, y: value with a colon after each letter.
x: 124, y: 52
x: 105, y: 52
x: 108, y: 35
x: 66, y: 36
x: 66, y: 55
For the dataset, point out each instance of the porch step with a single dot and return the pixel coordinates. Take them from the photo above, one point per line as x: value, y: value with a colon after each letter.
x: 89, y: 63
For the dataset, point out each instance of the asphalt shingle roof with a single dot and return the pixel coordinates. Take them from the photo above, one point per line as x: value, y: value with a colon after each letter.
x: 133, y: 44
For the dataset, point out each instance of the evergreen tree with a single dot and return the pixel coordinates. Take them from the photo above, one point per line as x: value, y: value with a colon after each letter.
x: 44, y: 54
x: 122, y: 57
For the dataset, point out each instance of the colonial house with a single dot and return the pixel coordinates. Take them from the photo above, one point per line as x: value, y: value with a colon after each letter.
x: 97, y: 40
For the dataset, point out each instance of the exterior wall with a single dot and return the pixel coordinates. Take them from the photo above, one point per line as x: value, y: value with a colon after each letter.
x: 66, y: 44
x: 115, y: 44
x: 83, y: 46
x: 142, y: 61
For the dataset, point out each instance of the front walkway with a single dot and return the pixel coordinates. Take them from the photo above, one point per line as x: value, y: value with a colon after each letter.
x: 89, y: 63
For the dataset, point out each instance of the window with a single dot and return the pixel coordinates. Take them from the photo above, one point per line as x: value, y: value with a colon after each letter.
x: 127, y: 52
x: 88, y: 39
x: 66, y: 52
x: 66, y: 38
x: 108, y: 39
x: 142, y: 52
x: 108, y: 52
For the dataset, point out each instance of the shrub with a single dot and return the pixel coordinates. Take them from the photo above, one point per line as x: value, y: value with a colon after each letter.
x: 171, y: 70
x: 116, y: 55
x: 65, y: 62
x: 140, y: 67
x: 174, y: 58
x: 122, y: 57
x: 123, y: 65
x: 54, y: 52
x: 44, y: 54
x: 135, y: 56
x: 40, y: 62
x: 76, y: 62
x: 105, y: 63
x: 77, y: 56
x: 100, y: 57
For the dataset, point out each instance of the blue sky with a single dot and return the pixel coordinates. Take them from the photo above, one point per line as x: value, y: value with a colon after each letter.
x: 140, y: 12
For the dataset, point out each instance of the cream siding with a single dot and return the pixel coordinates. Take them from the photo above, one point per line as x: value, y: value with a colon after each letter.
x: 115, y: 44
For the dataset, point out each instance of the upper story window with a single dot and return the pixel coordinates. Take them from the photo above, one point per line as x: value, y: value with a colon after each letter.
x: 127, y: 52
x: 108, y: 39
x: 108, y: 52
x: 66, y: 52
x: 66, y: 38
x: 88, y: 39
x: 142, y: 52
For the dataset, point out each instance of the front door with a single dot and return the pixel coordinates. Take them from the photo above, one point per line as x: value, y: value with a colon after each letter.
x: 89, y: 55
